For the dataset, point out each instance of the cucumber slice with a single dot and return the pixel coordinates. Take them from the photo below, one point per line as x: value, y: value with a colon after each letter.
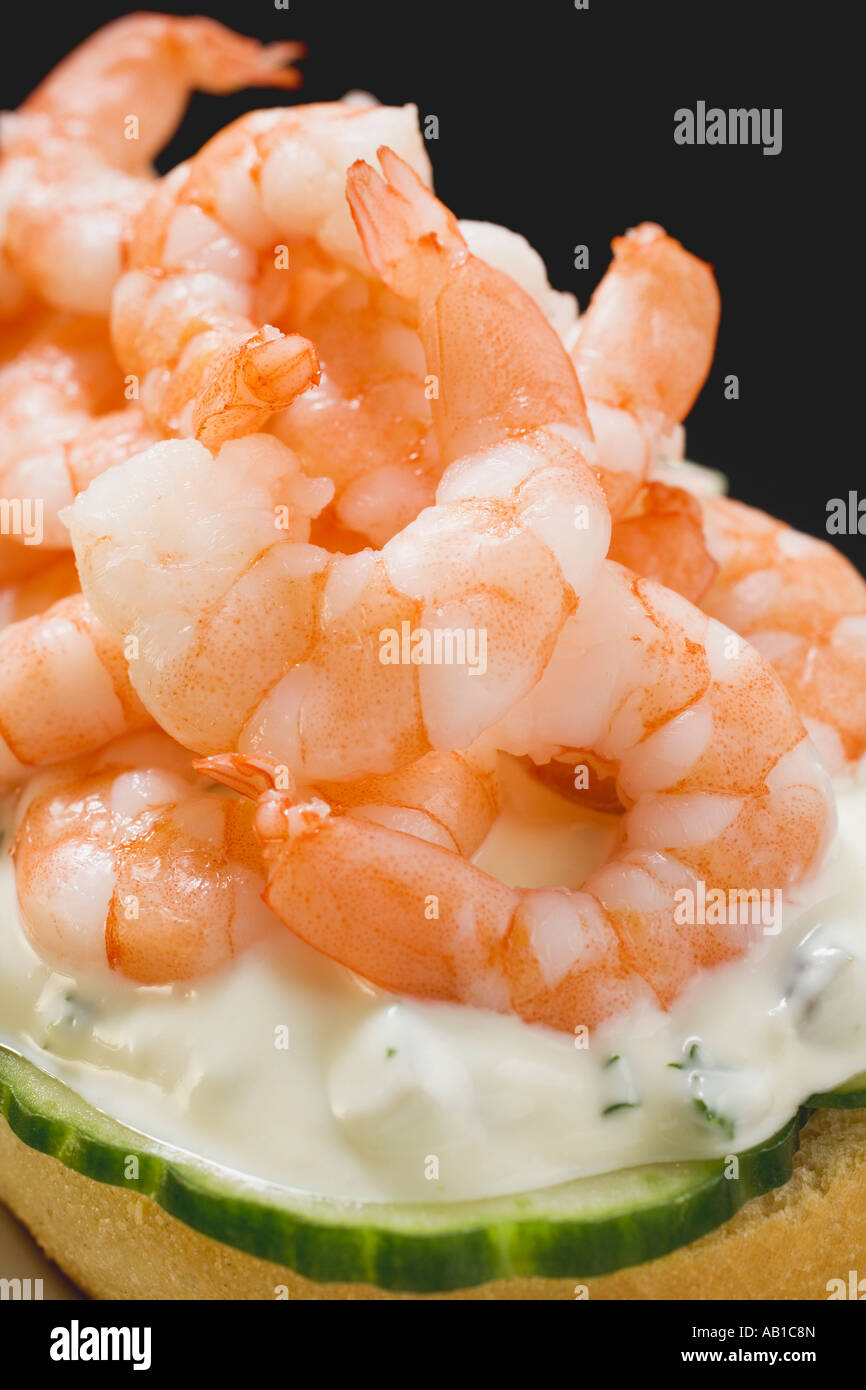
x: 851, y: 1096
x: 581, y: 1229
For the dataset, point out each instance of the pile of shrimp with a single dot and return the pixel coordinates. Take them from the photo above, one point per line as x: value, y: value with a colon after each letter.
x: 289, y: 429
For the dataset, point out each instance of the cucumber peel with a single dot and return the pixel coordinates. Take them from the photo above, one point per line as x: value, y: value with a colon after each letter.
x: 581, y: 1229
x: 850, y: 1096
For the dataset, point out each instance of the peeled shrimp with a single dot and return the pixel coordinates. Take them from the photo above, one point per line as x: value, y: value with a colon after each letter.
x: 30, y: 595
x: 65, y: 360
x: 189, y: 316
x: 149, y: 64
x: 803, y: 606
x: 123, y: 859
x: 368, y: 426
x: 643, y: 350
x: 723, y: 788
x: 450, y: 800
x: 63, y: 220
x: 64, y: 689
x: 77, y: 153
x: 798, y: 601
x: 795, y: 598
x: 57, y: 427
x: 250, y: 639
x: 662, y: 537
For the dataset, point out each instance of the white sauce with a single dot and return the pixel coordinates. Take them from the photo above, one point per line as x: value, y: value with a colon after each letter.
x: 371, y: 1090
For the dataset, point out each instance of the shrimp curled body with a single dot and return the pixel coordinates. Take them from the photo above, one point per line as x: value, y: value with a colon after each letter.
x: 77, y: 154
x: 62, y: 418
x: 723, y: 787
x: 64, y: 689
x: 253, y: 640
x: 124, y: 859
x: 206, y: 264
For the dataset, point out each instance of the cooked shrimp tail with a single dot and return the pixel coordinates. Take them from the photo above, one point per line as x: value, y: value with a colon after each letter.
x: 250, y: 776
x: 246, y: 383
x: 643, y: 351
x: 656, y: 375
x: 450, y: 799
x: 146, y: 65
x: 491, y: 382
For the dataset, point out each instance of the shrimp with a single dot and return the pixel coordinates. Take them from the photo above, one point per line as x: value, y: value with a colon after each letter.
x: 58, y: 430
x: 123, y: 860
x: 662, y: 537
x: 369, y: 426
x: 78, y: 152
x: 803, y: 606
x: 723, y: 787
x: 148, y: 65
x: 19, y: 563
x: 31, y: 595
x: 274, y: 647
x: 64, y: 217
x: 653, y: 295
x: 643, y: 350
x: 188, y: 314
x: 64, y: 689
x: 795, y: 598
x: 249, y: 638
x: 450, y: 799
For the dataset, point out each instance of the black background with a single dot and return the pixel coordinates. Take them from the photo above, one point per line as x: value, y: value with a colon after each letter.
x: 559, y: 123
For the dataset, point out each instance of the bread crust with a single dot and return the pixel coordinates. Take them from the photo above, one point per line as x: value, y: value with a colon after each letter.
x: 787, y: 1244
